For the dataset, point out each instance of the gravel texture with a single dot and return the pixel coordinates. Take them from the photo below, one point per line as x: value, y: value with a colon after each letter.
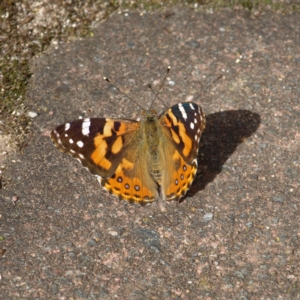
x: 234, y: 236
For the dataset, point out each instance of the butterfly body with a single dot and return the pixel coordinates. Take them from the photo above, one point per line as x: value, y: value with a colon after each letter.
x: 138, y: 161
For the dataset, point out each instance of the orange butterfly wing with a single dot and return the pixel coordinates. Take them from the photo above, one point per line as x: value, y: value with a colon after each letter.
x: 183, y: 124
x: 109, y: 148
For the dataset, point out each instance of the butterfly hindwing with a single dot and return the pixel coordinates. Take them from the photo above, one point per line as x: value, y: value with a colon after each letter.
x: 179, y: 176
x: 132, y: 181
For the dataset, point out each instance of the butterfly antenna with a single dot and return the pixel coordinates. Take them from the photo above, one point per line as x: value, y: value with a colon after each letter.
x: 156, y: 94
x: 119, y: 91
x: 150, y: 87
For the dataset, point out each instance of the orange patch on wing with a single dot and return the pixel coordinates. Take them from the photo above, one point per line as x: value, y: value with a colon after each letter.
x: 173, y: 117
x: 126, y: 127
x: 98, y: 156
x: 123, y: 128
x: 175, y: 136
x: 108, y: 127
x: 126, y: 164
x: 187, y: 141
x: 117, y: 145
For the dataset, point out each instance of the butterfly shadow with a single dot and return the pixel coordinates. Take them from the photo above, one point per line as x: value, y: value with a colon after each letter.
x: 223, y: 133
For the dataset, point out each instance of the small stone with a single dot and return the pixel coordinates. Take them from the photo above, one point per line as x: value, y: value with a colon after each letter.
x: 278, y: 199
x: 208, y: 217
x: 32, y: 114
x: 149, y: 238
x: 239, y: 274
x: 92, y: 243
x: 249, y: 224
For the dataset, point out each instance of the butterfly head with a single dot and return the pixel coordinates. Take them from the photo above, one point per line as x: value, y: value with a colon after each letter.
x: 149, y: 113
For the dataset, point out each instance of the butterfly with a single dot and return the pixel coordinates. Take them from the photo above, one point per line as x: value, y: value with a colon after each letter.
x: 138, y: 161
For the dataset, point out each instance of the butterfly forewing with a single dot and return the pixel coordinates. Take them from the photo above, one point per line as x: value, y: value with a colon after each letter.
x: 185, y: 123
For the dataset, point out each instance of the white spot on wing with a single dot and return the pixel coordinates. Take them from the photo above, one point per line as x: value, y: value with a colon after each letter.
x: 57, y: 137
x: 195, y: 162
x: 182, y: 110
x: 195, y: 121
x: 67, y: 126
x: 192, y: 125
x: 71, y: 141
x: 81, y: 156
x: 80, y: 144
x: 192, y: 106
x: 86, y: 126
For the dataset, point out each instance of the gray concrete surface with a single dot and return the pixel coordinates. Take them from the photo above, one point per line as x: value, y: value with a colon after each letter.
x: 234, y: 236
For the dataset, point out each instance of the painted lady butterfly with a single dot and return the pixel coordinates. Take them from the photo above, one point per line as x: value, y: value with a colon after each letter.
x: 138, y: 161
